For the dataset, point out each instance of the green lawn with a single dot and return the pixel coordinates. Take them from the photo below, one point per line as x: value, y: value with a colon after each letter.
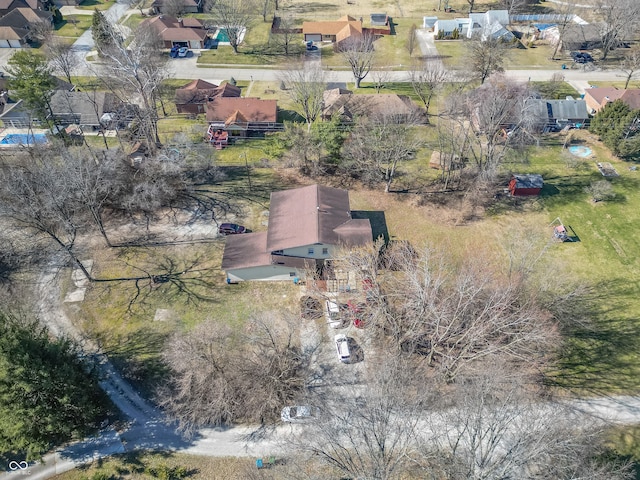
x: 256, y: 49
x: 91, y: 5
x: 73, y: 26
x: 455, y: 55
x: 134, y: 20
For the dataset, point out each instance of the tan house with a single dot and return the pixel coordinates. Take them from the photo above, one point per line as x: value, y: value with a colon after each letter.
x: 336, y: 32
x: 306, y: 228
x: 193, y: 97
x: 597, y: 98
x: 184, y: 32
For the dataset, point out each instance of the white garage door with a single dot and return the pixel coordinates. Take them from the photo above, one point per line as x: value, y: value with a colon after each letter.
x: 14, y: 43
x: 313, y: 37
x: 4, y: 44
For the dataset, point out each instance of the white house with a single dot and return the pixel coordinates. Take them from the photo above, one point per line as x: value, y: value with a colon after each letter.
x: 491, y: 24
x: 306, y: 227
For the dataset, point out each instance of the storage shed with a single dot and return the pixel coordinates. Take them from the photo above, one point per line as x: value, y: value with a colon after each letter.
x: 521, y: 185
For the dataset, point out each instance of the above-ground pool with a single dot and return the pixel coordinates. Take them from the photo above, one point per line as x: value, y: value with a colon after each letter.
x: 580, y: 151
x: 23, y: 139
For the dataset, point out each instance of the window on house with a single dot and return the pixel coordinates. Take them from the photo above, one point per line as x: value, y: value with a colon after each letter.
x: 292, y: 274
x: 310, y: 251
x: 325, y: 251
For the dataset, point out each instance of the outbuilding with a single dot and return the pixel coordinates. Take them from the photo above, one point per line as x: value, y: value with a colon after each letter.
x: 522, y: 185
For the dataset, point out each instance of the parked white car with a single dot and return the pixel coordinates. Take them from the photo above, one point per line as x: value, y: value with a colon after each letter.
x: 298, y: 413
x: 333, y: 314
x: 342, y: 347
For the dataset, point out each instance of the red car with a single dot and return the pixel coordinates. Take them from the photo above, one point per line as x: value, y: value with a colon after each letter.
x: 230, y: 229
x: 356, y: 311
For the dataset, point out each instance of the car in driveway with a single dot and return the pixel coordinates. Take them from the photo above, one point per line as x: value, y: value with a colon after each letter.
x: 231, y: 229
x: 180, y: 52
x: 334, y: 313
x: 298, y: 413
x: 342, y: 347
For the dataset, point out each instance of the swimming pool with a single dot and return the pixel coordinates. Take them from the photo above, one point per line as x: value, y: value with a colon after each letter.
x: 222, y: 35
x: 580, y: 151
x: 23, y: 139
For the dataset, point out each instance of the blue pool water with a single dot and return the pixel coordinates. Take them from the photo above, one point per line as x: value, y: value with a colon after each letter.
x: 580, y: 151
x: 23, y: 139
x: 222, y: 35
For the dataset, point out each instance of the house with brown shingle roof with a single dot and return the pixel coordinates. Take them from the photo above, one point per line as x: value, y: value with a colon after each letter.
x: 338, y: 101
x: 184, y: 32
x: 192, y: 97
x: 7, y: 6
x: 306, y: 228
x: 337, y: 31
x: 16, y: 26
x: 598, y: 97
x: 242, y: 117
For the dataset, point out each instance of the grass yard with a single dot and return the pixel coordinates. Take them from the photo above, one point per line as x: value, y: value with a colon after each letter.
x: 91, y: 5
x: 455, y: 56
x: 256, y: 49
x: 73, y: 26
x: 165, y: 465
x: 133, y: 20
x: 132, y: 325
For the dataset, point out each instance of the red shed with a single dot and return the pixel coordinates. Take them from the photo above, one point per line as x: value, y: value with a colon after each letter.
x: 530, y: 184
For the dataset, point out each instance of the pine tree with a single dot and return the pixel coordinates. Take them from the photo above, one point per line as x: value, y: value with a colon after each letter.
x: 102, y: 31
x: 47, y: 395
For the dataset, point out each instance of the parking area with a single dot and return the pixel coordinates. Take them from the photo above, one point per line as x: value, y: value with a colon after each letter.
x: 5, y: 55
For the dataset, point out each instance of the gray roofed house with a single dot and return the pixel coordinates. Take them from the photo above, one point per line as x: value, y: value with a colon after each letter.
x: 306, y: 227
x: 89, y: 110
x: 559, y: 113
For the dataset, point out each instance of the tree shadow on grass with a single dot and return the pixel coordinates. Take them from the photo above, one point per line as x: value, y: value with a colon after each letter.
x: 601, y: 340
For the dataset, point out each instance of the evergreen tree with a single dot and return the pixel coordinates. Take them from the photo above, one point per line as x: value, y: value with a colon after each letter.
x: 102, y: 31
x: 47, y: 393
x: 31, y: 79
x: 617, y: 126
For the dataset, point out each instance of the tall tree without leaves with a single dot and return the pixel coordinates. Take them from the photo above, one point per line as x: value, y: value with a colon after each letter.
x: 305, y: 85
x: 425, y: 80
x: 359, y: 53
x: 619, y: 21
x: 62, y: 57
x: 485, y: 57
x: 630, y: 64
x: 136, y: 71
x: 234, y: 17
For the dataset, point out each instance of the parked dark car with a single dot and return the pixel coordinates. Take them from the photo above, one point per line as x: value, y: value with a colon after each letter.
x: 581, y: 57
x: 230, y: 229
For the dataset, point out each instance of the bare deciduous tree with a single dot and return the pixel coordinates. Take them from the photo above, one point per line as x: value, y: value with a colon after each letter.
x: 62, y: 58
x: 485, y: 57
x: 220, y: 376
x: 377, y: 145
x: 425, y: 80
x: 173, y: 8
x: 620, y: 19
x: 370, y: 432
x: 496, y: 429
x: 494, y: 120
x: 305, y: 86
x: 380, y: 78
x: 234, y: 17
x: 630, y: 64
x: 359, y: 53
x: 286, y: 37
x: 136, y: 71
x: 565, y: 12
